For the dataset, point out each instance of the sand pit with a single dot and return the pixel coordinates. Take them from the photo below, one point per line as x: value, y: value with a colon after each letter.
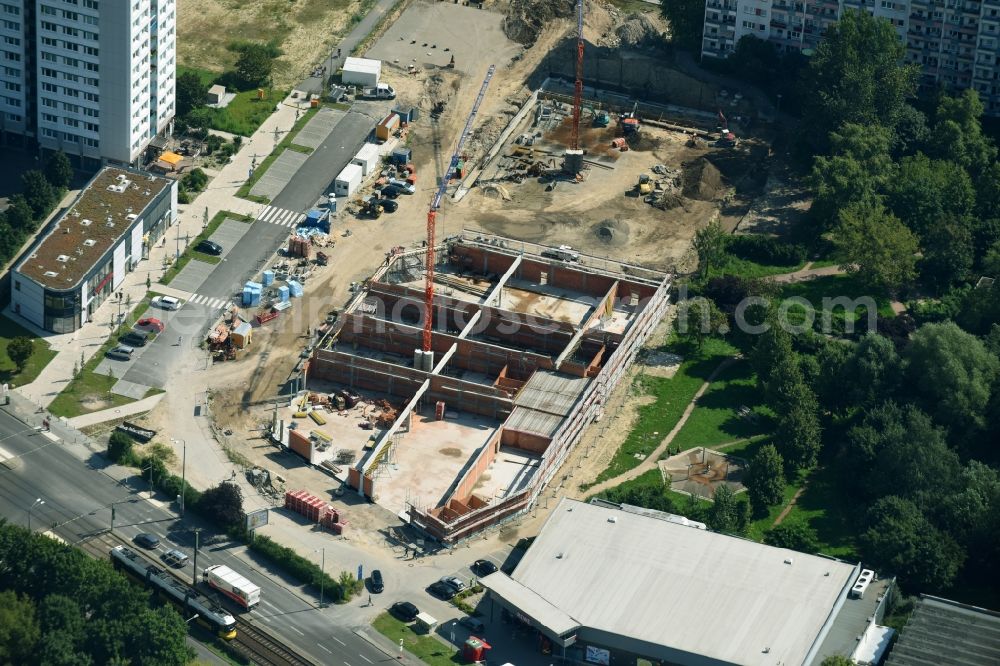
x: 702, y: 181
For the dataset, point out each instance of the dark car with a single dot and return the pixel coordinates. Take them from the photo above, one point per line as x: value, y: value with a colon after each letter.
x: 472, y: 624
x: 146, y: 540
x: 376, y: 581
x: 483, y: 567
x: 405, y: 611
x: 135, y: 339
x: 391, y: 191
x: 442, y: 590
x: 209, y: 247
x: 388, y: 205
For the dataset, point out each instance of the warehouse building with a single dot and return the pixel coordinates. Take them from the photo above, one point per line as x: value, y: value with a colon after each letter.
x: 947, y: 632
x: 87, y: 251
x: 614, y: 586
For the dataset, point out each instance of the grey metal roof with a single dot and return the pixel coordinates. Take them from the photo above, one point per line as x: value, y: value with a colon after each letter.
x: 551, y: 392
x: 680, y: 587
x: 530, y: 603
x: 947, y: 633
x: 530, y: 420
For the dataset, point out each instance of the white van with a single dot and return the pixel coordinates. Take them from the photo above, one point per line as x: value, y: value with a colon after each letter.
x: 166, y: 303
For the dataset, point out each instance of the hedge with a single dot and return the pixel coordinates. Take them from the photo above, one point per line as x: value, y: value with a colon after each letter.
x: 299, y: 567
x: 766, y: 250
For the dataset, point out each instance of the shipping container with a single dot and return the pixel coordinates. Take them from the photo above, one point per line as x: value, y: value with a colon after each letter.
x: 348, y: 181
x: 367, y: 158
x: 361, y: 72
x: 385, y: 129
x: 233, y: 585
x: 401, y: 155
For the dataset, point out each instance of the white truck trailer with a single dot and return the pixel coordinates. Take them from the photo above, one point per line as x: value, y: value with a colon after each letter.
x: 361, y: 72
x: 233, y: 585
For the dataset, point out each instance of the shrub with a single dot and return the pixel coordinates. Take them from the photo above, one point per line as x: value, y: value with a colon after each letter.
x: 120, y: 448
x: 766, y: 250
x: 298, y: 567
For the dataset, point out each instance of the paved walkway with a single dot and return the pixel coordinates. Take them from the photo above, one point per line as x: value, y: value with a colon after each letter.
x: 650, y: 461
x: 807, y: 272
x: 131, y: 409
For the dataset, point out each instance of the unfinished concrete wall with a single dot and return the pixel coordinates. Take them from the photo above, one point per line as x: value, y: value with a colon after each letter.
x: 470, y: 476
x: 460, y: 395
x: 528, y: 441
x: 365, y: 373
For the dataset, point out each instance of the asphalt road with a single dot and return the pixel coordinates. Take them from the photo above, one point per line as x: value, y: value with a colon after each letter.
x: 79, y: 488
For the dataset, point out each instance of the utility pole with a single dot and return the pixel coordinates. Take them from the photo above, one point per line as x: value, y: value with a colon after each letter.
x: 322, y: 568
x: 194, y: 576
x: 183, y: 472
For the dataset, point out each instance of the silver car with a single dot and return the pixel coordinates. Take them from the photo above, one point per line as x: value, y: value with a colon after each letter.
x: 175, y: 558
x: 121, y: 353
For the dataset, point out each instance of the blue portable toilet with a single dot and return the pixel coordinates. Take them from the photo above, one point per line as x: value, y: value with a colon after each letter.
x: 294, y: 289
x: 268, y: 278
x: 283, y: 293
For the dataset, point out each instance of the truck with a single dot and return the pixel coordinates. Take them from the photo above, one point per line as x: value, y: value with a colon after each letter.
x: 233, y: 585
x: 380, y: 91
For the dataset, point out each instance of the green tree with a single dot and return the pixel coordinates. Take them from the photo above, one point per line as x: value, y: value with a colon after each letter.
x: 38, y: 192
x: 254, y: 64
x: 772, y: 348
x: 871, y: 372
x: 686, y: 19
x: 158, y: 637
x: 20, y: 216
x: 19, y: 632
x: 190, y: 92
x: 837, y: 660
x: 63, y: 625
x: 19, y: 350
x: 710, y: 244
x: 857, y: 75
x: 948, y: 254
x: 951, y: 371
x: 58, y: 170
x: 699, y: 319
x: 223, y: 505
x: 900, y: 540
x: 858, y: 166
x: 972, y: 513
x: 120, y: 447
x: 724, y: 514
x: 957, y: 134
x: 925, y: 192
x: 794, y: 536
x: 873, y: 244
x: 798, y: 433
x: 765, y: 479
x: 991, y: 261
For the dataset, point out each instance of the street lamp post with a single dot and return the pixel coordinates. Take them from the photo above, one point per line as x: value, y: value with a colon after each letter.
x: 194, y: 575
x: 151, y: 488
x: 183, y: 471
x: 38, y: 502
x: 322, y: 568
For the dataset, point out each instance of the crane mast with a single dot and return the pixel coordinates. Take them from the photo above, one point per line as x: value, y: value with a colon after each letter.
x: 578, y: 84
x: 436, y: 204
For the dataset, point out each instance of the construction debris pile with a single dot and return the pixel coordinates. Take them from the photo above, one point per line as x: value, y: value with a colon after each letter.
x: 636, y: 32
x: 266, y: 483
x: 525, y: 19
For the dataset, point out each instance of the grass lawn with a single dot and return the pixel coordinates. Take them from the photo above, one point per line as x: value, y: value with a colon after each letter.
x: 39, y: 358
x: 423, y: 646
x: 289, y: 143
x: 715, y: 421
x: 822, y: 507
x: 190, y: 253
x: 672, y: 396
x: 91, y: 392
x: 832, y: 287
x: 745, y: 268
x: 245, y: 113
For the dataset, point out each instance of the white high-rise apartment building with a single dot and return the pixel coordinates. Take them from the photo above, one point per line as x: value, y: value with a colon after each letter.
x: 93, y: 78
x: 956, y: 42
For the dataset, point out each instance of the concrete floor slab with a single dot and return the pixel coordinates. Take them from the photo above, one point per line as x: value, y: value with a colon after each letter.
x: 279, y: 174
x: 129, y: 389
x: 317, y: 129
x: 428, y: 458
x: 192, y: 276
x: 510, y: 472
x: 546, y: 301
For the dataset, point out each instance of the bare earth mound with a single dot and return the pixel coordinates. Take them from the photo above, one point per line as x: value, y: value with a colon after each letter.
x: 612, y: 232
x: 702, y: 180
x: 525, y: 19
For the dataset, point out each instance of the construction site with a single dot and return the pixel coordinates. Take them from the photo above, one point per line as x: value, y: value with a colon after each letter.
x: 525, y: 350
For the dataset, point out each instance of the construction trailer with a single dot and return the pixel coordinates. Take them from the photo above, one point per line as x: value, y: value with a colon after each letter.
x: 361, y: 72
x: 367, y: 158
x: 348, y: 181
x: 387, y: 127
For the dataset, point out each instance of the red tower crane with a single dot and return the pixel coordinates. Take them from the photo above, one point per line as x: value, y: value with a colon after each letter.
x: 436, y: 205
x: 574, y: 137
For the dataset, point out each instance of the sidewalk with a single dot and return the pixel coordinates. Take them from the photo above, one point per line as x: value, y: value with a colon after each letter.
x: 220, y: 195
x: 137, y: 407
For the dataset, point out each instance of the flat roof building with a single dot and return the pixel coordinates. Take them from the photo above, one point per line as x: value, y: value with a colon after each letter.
x: 87, y: 251
x: 610, y: 586
x: 942, y: 632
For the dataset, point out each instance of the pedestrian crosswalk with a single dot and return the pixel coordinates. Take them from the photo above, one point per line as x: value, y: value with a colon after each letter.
x: 280, y: 216
x: 207, y: 301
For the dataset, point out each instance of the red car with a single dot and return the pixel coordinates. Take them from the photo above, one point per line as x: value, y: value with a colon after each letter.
x: 151, y: 323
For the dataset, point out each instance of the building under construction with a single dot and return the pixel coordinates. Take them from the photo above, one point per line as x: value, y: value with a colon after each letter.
x: 528, y: 342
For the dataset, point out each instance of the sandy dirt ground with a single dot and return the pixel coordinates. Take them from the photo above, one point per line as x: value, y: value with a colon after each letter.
x: 303, y: 29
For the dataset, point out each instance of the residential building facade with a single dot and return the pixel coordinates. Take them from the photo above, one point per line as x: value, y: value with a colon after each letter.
x: 93, y: 78
x: 955, y: 42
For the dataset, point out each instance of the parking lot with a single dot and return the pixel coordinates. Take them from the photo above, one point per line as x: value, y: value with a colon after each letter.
x: 317, y: 129
x: 279, y: 174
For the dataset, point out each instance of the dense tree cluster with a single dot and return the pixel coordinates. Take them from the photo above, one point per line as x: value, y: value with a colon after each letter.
x: 40, y: 192
x: 59, y: 606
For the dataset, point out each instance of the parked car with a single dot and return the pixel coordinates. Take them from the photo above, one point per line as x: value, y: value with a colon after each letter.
x: 405, y: 611
x: 152, y: 323
x: 388, y: 205
x: 391, y: 191
x: 376, y: 581
x: 483, y: 567
x: 209, y: 247
x: 472, y: 624
x: 120, y: 353
x: 166, y: 303
x: 175, y: 558
x: 442, y: 591
x: 454, y: 582
x: 146, y: 540
x: 135, y: 339
x: 402, y: 185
